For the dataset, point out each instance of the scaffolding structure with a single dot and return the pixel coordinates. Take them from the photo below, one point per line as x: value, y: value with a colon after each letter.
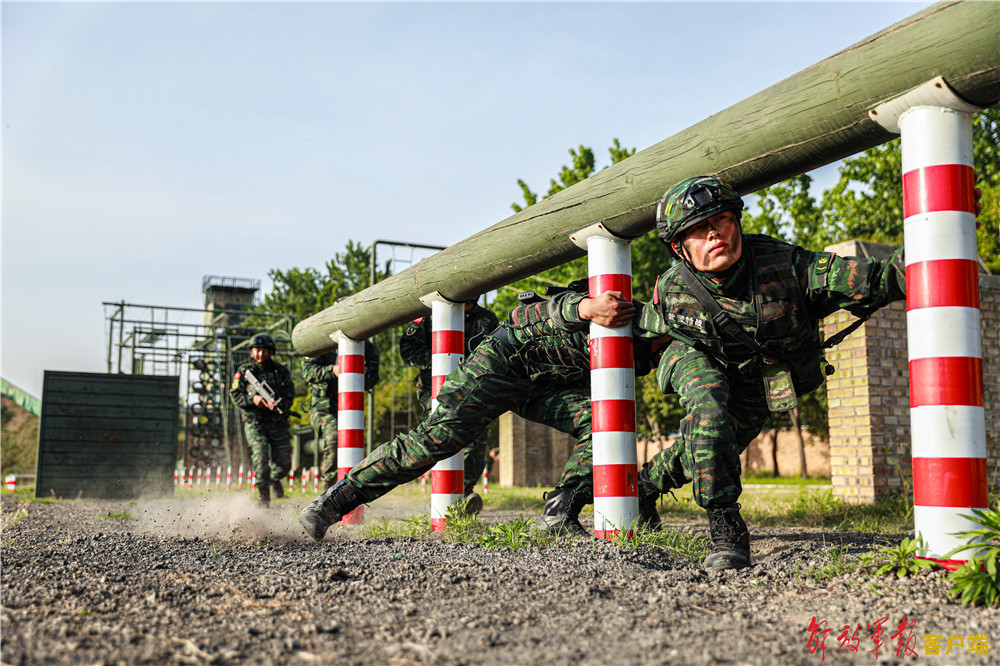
x: 204, y: 347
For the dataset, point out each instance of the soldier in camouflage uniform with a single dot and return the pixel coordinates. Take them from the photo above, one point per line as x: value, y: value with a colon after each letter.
x: 265, y: 423
x: 528, y: 366
x: 320, y: 373
x: 415, y: 348
x: 747, y: 347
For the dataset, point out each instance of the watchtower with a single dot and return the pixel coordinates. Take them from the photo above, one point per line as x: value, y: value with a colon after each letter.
x: 229, y: 294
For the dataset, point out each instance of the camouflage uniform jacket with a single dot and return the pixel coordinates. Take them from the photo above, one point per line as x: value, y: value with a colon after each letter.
x: 415, y: 345
x: 323, y: 386
x: 278, y: 377
x: 778, y: 293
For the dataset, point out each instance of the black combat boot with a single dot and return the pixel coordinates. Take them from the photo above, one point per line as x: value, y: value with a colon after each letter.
x: 561, y: 513
x: 730, y: 539
x: 264, y: 492
x: 473, y: 503
x: 338, y: 500
x: 648, y: 494
x: 279, y: 490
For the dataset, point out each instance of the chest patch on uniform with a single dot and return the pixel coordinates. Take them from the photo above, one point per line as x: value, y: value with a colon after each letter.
x: 411, y: 329
x: 686, y: 320
x: 823, y: 263
x: 236, y: 380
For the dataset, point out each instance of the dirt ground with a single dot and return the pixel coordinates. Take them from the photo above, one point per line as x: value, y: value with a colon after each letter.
x: 220, y: 581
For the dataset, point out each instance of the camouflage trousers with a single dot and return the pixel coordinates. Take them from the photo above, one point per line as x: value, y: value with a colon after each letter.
x: 487, y: 384
x: 473, y: 456
x: 270, y: 448
x: 725, y: 411
x: 325, y: 426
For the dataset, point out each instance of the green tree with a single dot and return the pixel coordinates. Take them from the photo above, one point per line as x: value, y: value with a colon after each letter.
x: 302, y: 293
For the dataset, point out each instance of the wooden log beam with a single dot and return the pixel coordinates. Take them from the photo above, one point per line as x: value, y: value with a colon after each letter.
x: 804, y: 122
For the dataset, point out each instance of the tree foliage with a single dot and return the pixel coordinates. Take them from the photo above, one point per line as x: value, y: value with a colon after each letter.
x: 302, y: 293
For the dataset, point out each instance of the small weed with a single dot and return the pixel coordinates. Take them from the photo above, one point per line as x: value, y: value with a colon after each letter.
x: 689, y: 547
x: 900, y: 560
x: 978, y: 580
x: 512, y: 536
x: 118, y: 515
x: 415, y: 525
x: 836, y: 562
x: 8, y: 518
x: 461, y: 527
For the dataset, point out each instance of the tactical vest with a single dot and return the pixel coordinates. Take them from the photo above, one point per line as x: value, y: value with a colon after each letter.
x: 774, y: 313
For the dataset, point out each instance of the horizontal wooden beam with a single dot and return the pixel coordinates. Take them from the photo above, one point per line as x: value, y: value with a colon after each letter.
x: 804, y: 122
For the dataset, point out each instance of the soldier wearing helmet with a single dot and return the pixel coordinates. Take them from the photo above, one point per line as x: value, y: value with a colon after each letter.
x: 265, y: 422
x: 743, y: 311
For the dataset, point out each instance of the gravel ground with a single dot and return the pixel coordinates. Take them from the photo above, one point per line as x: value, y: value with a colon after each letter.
x: 221, y: 581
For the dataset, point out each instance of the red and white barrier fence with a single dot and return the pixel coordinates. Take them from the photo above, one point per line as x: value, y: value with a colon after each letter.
x: 947, y: 418
x: 447, y: 350
x: 350, y: 412
x: 612, y: 380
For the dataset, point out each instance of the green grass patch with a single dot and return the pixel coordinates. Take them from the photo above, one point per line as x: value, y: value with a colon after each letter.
x: 116, y: 515
x: 765, y: 479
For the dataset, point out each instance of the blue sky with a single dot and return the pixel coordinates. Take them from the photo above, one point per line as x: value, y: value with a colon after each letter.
x: 146, y: 145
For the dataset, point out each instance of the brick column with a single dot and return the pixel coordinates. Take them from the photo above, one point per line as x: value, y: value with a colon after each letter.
x: 869, y: 395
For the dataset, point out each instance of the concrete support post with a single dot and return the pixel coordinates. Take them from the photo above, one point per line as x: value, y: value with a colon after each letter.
x: 447, y: 350
x: 944, y: 342
x: 612, y: 391
x: 350, y: 412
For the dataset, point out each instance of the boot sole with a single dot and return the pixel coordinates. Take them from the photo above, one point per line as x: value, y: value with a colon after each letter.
x: 313, y: 529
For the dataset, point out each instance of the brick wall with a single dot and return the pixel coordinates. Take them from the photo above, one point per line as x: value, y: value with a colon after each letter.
x: 869, y: 395
x: 531, y: 454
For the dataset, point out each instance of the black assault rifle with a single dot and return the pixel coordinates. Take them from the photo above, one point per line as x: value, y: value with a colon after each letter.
x: 264, y: 390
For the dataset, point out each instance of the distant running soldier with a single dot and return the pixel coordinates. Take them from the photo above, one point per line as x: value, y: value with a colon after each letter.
x: 415, y: 349
x: 265, y: 421
x: 320, y: 373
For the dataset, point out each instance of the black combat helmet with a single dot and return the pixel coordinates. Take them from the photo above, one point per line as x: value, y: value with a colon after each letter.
x: 263, y: 340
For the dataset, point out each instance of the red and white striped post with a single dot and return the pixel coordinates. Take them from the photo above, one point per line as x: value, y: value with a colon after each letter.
x: 612, y: 388
x: 947, y: 419
x: 447, y: 350
x: 315, y: 480
x: 229, y: 477
x: 239, y: 478
x: 350, y: 412
x: 291, y: 480
x: 218, y: 477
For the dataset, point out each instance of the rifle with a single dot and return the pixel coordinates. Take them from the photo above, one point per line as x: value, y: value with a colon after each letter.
x: 264, y: 390
x: 528, y: 297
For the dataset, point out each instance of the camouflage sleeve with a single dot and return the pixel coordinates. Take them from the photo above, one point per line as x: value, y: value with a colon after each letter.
x: 371, y: 365
x: 239, y: 394
x: 858, y: 285
x: 564, y: 311
x: 315, y: 372
x: 415, y: 344
x: 650, y: 321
